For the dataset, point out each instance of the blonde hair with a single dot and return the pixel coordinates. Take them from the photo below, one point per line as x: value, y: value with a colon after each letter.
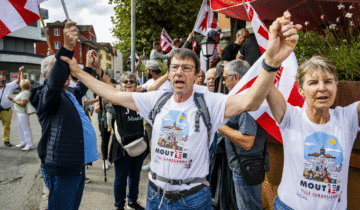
x: 316, y: 63
x: 25, y: 84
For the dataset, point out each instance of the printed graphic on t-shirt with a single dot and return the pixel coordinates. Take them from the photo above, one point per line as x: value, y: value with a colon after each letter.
x: 171, y: 143
x: 322, y: 165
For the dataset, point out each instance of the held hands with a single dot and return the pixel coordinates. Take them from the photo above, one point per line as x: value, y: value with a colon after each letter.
x: 282, y: 40
x: 74, y: 67
x: 93, y: 61
x: 71, y: 35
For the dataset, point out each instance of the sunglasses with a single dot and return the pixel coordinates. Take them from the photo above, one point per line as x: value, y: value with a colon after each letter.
x: 128, y: 81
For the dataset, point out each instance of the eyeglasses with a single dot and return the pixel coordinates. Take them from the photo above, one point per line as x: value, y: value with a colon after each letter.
x: 128, y: 81
x: 185, y: 68
x: 2, y: 80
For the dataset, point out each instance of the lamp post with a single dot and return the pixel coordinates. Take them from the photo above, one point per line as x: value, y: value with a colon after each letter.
x: 207, y: 49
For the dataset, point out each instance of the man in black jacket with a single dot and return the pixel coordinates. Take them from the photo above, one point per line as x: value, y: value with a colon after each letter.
x: 68, y: 140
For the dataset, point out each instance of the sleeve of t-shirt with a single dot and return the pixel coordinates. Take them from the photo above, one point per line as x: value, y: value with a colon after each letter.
x: 242, y: 51
x: 145, y: 102
x: 147, y: 84
x: 247, y: 124
x: 216, y: 105
x: 350, y: 114
x: 291, y: 113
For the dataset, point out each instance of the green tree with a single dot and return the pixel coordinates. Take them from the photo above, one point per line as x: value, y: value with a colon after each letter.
x: 177, y: 17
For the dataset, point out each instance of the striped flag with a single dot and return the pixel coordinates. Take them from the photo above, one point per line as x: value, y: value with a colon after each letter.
x: 194, y: 46
x: 16, y: 14
x: 205, y: 19
x: 285, y: 78
x: 165, y: 41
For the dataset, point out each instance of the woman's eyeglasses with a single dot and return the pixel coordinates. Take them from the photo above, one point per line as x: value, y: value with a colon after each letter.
x: 128, y: 81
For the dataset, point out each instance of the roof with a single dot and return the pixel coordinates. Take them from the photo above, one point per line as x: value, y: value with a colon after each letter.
x: 106, y: 45
x: 318, y: 154
x: 82, y: 28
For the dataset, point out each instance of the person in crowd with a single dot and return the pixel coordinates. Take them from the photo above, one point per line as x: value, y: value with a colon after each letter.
x: 210, y: 79
x: 68, y: 140
x: 317, y: 140
x: 127, y: 168
x: 243, y: 138
x: 249, y: 51
x: 6, y: 104
x: 176, y: 43
x: 153, y: 73
x: 215, y: 58
x: 188, y: 40
x: 180, y: 166
x: 201, y: 78
x: 22, y: 117
x: 231, y: 50
x: 156, y: 52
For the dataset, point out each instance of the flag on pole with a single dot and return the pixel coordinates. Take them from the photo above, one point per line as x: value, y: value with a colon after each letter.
x: 194, y: 46
x: 285, y: 78
x: 16, y: 14
x: 165, y: 41
x: 205, y: 19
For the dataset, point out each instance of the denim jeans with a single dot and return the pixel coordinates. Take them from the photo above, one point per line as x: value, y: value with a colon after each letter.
x: 125, y: 167
x: 46, y: 178
x: 198, y: 201
x: 279, y: 205
x: 66, y: 192
x: 247, y: 196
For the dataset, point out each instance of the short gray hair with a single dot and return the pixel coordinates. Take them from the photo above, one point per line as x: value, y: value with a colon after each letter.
x: 211, y: 70
x: 241, y: 32
x: 127, y: 74
x: 239, y: 67
x: 46, y: 65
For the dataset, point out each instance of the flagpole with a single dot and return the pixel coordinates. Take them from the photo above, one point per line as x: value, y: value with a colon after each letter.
x: 133, y: 36
x: 65, y: 10
x: 46, y: 35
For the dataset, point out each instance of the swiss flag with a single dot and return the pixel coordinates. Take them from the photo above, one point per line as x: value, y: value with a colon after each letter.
x: 285, y: 79
x: 15, y: 14
x: 165, y: 41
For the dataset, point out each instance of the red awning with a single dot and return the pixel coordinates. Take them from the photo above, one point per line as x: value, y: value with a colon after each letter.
x: 301, y: 10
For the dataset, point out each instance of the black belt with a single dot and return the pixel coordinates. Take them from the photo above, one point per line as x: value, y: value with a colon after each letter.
x: 5, y: 109
x: 176, y: 195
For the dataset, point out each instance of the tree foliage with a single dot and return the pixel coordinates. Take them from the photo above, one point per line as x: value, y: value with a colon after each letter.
x: 177, y: 17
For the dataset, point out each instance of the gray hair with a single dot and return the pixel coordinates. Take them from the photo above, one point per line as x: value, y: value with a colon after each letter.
x: 182, y: 54
x: 47, y: 64
x: 127, y: 74
x: 211, y: 70
x: 241, y: 32
x: 239, y: 67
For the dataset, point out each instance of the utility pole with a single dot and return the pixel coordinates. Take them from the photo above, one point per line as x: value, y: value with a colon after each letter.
x: 133, y: 18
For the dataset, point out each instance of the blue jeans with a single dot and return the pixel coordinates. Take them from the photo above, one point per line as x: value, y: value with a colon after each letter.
x: 66, y: 192
x: 198, y: 201
x: 247, y: 196
x: 46, y: 178
x: 279, y: 205
x: 125, y: 167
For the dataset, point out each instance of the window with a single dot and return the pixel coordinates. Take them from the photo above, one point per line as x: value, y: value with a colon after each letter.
x: 56, y: 31
x: 57, y: 45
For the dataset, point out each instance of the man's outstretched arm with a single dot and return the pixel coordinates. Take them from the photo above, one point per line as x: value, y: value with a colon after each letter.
x: 102, y: 89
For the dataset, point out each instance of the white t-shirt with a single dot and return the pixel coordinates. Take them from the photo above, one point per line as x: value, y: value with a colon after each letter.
x: 168, y: 88
x: 8, y: 91
x: 316, y: 158
x: 177, y: 151
x: 148, y: 83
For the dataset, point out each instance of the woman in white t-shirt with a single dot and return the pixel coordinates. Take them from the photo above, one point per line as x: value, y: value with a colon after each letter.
x: 317, y: 140
x: 20, y: 102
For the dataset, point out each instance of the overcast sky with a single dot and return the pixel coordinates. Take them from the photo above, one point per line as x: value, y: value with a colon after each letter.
x: 85, y: 12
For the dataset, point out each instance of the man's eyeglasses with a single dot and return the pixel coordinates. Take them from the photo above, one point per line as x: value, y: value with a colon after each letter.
x: 185, y: 68
x: 128, y: 81
x: 2, y: 80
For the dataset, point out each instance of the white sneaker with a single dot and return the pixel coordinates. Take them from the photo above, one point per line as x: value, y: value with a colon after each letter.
x: 27, y: 148
x: 20, y: 145
x: 146, y: 167
x: 106, y: 165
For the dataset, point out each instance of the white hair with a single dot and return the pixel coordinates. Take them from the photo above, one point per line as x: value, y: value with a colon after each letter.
x: 47, y: 64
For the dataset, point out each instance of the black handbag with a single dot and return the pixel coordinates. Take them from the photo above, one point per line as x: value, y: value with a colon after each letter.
x: 252, y: 167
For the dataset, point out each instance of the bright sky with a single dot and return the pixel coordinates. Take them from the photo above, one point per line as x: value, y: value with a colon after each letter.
x: 84, y: 12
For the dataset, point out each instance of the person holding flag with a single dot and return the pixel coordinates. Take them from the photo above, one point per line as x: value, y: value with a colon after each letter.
x: 178, y: 180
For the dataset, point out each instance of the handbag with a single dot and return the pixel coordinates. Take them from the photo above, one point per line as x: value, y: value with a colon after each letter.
x: 133, y: 149
x: 252, y: 167
x: 29, y: 109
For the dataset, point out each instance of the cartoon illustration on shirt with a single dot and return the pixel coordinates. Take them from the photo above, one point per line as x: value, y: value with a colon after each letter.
x: 324, y: 157
x: 173, y: 137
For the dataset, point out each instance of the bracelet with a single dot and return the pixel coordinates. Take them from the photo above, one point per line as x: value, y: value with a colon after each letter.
x: 269, y: 68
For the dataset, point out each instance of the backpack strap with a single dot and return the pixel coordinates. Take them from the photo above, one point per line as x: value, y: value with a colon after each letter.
x: 159, y: 104
x: 204, y: 112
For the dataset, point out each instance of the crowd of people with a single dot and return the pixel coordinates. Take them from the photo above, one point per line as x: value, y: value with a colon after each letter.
x: 179, y: 116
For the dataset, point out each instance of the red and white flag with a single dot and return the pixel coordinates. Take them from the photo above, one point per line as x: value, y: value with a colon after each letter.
x: 194, y: 46
x: 165, y: 41
x: 16, y: 14
x: 205, y: 19
x: 285, y: 79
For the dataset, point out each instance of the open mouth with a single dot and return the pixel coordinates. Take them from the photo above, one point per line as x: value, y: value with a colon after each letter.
x: 179, y: 83
x: 322, y: 98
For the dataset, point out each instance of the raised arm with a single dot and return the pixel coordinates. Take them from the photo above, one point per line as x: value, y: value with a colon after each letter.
x: 277, y: 104
x: 282, y: 41
x: 157, y: 84
x: 21, y: 74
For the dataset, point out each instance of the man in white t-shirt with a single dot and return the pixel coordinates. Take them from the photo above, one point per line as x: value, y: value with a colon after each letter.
x: 5, y: 110
x: 153, y: 72
x: 180, y: 153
